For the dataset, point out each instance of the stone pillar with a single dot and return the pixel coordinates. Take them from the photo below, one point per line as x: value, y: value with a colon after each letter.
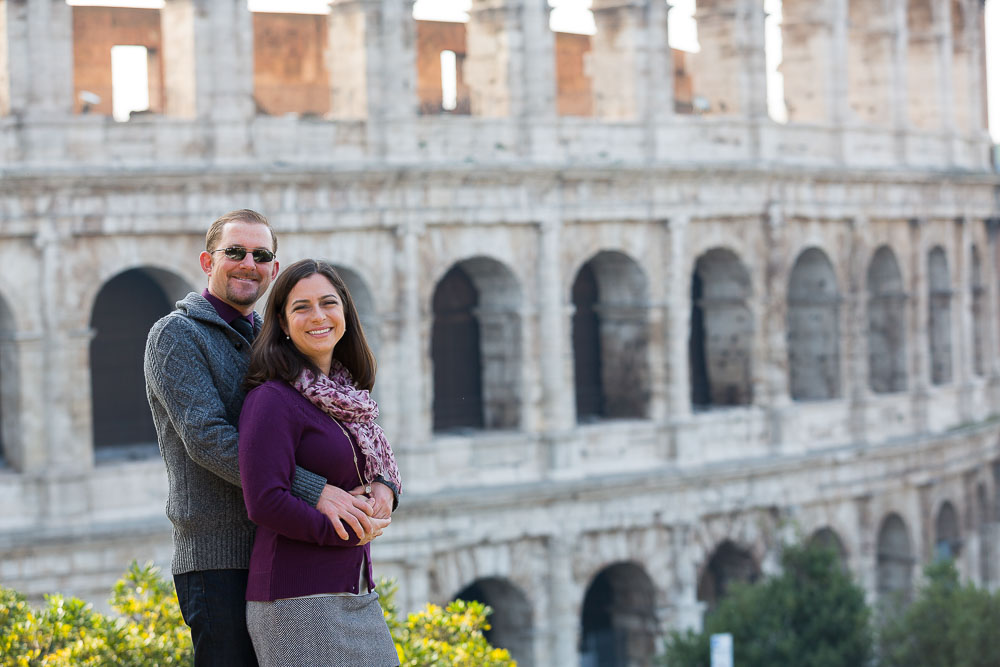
x: 678, y: 320
x: 813, y: 48
x: 856, y: 386
x: 65, y: 362
x: 875, y: 90
x: 730, y: 71
x: 962, y: 325
x: 629, y: 60
x: 208, y: 70
x: 774, y: 324
x: 562, y: 613
x: 510, y: 64
x: 919, y: 309
x: 928, y: 101
x: 371, y: 57
x: 36, y: 59
x: 969, y: 72
x: 412, y: 397
x: 991, y: 276
x: 25, y: 406
x: 558, y: 409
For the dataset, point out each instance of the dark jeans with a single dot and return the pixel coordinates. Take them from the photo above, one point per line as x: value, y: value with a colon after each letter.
x: 213, y: 603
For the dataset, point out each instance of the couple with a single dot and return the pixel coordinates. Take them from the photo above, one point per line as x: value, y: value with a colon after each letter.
x: 281, y: 434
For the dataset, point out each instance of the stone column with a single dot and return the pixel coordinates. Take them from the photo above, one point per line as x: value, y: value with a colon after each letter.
x: 510, y: 68
x: 36, y: 57
x: 558, y: 409
x: 774, y: 396
x: 208, y: 70
x: 678, y: 320
x: 629, y: 60
x: 562, y: 613
x: 412, y: 397
x: 874, y: 92
x: 371, y: 58
x: 991, y: 275
x: 929, y: 90
x: 813, y: 50
x: 962, y: 325
x: 65, y: 362
x: 730, y: 71
x: 856, y: 386
x: 919, y: 308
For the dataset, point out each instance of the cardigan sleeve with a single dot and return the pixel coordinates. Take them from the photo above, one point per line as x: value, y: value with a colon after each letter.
x: 269, y: 433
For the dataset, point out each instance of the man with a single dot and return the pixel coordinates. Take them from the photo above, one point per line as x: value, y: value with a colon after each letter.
x: 195, y: 361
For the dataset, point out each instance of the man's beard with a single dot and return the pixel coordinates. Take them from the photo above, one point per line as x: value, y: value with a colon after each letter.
x: 244, y: 299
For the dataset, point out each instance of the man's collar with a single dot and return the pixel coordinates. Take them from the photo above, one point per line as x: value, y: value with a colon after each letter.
x: 225, y: 311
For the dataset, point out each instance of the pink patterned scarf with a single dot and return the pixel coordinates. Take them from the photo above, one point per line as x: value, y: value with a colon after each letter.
x: 337, y: 396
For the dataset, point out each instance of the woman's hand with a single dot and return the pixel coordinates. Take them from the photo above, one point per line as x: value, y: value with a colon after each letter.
x: 341, y: 507
x: 380, y: 500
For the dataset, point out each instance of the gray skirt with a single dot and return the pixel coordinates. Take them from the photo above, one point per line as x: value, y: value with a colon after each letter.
x: 332, y: 630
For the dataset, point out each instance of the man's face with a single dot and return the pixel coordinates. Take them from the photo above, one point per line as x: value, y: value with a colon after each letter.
x: 240, y: 283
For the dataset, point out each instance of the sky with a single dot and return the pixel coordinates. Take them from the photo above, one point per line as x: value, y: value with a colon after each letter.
x: 572, y: 16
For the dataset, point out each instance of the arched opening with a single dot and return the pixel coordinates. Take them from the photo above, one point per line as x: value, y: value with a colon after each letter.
x: 984, y: 528
x: 894, y: 572
x: 813, y: 328
x: 9, y: 391
x: 124, y: 310
x: 939, y: 329
x: 728, y: 565
x: 610, y: 339
x: 619, y: 626
x: 979, y: 334
x: 476, y: 347
x: 886, y: 324
x: 511, y: 624
x: 923, y: 67
x: 828, y: 539
x: 721, y: 339
x: 947, y: 538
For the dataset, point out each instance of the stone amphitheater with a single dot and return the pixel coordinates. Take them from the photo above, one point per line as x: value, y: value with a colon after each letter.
x: 634, y: 334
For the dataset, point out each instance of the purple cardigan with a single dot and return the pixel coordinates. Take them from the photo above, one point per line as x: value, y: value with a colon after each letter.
x: 295, y: 551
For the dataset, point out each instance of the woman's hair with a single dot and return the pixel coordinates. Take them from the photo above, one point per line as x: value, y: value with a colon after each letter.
x: 275, y: 357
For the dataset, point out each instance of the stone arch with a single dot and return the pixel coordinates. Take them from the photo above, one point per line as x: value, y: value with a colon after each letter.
x: 886, y: 324
x: 813, y: 328
x: 610, y: 338
x: 939, y: 329
x: 985, y: 530
x: 977, y: 291
x: 511, y: 623
x: 947, y: 533
x: 827, y: 538
x: 728, y: 564
x: 125, y: 308
x: 618, y: 620
x: 720, y: 343
x: 10, y: 408
x: 364, y: 301
x: 476, y: 347
x: 894, y: 561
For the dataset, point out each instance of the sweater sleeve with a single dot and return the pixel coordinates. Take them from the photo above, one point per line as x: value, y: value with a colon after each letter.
x: 269, y: 434
x: 179, y: 376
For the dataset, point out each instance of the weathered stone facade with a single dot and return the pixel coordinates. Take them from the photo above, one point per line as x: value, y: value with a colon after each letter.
x: 693, y: 336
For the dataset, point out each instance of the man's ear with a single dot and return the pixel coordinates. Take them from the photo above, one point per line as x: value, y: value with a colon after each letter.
x: 274, y: 271
x: 206, y: 262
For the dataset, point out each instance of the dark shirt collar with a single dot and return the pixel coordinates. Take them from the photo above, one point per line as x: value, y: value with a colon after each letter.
x: 225, y: 311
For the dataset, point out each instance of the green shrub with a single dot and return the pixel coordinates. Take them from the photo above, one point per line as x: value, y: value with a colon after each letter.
x: 147, y: 630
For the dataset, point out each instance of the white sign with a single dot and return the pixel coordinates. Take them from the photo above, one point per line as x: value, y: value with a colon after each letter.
x: 722, y: 650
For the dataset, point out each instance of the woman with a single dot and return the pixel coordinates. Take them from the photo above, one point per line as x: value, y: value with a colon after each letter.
x: 310, y: 597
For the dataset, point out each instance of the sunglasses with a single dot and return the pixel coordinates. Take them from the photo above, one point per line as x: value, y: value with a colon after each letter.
x: 237, y: 253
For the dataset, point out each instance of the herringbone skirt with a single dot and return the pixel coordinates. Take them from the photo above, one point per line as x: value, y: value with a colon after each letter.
x: 328, y: 631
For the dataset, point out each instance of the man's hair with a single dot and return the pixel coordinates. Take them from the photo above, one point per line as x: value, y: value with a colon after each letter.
x: 275, y: 357
x: 242, y: 215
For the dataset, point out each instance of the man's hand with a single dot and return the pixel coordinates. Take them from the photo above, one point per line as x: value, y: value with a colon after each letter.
x: 380, y: 501
x: 341, y: 508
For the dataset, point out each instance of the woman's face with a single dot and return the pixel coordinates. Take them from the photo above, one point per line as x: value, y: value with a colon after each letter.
x: 314, y: 319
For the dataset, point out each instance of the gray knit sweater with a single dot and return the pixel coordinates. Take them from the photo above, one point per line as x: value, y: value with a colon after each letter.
x: 194, y: 365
